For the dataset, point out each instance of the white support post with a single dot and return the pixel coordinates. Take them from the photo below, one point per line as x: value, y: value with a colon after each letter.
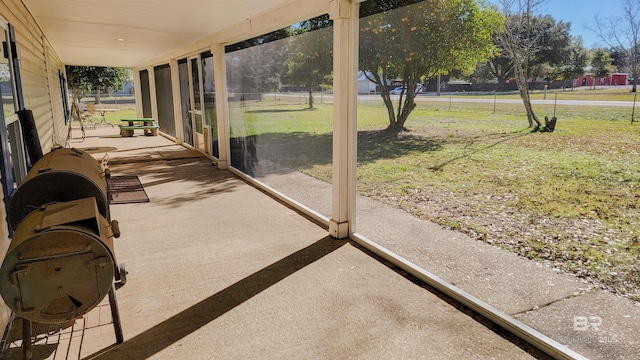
x: 344, y: 14
x: 222, y: 106
x: 153, y: 93
x: 138, y: 91
x: 177, y: 101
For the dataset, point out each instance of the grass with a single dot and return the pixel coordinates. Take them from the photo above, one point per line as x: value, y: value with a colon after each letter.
x: 570, y: 198
x: 577, y: 94
x: 114, y: 117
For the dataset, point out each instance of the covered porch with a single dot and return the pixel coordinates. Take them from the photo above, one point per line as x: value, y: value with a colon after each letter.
x: 221, y: 270
x: 240, y: 254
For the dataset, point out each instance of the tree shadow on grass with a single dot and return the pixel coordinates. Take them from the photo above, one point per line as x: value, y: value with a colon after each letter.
x: 498, y: 138
x: 377, y: 145
x: 302, y: 150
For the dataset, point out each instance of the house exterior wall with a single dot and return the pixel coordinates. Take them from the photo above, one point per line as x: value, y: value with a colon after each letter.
x: 617, y: 79
x: 39, y: 71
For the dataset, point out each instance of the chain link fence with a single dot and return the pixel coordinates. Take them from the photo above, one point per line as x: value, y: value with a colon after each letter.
x: 112, y: 101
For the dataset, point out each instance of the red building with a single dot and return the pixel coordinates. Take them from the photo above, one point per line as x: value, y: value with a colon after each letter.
x: 615, y: 79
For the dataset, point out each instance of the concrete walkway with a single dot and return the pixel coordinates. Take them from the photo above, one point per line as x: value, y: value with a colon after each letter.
x: 219, y: 270
x: 594, y: 323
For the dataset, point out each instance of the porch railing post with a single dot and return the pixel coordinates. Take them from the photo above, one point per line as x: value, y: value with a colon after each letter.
x: 344, y: 14
x: 177, y: 102
x: 222, y: 106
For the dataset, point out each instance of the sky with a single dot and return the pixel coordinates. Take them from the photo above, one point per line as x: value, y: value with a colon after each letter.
x: 580, y: 13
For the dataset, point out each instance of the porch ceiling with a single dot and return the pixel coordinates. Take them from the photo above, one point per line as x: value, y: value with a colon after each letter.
x: 127, y: 33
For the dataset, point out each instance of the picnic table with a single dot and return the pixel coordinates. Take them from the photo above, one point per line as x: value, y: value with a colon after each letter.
x: 146, y: 124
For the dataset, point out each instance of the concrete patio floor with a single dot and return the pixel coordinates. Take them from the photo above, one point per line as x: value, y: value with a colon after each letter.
x: 220, y: 270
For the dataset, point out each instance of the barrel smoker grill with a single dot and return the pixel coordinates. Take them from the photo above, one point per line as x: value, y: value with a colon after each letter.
x: 61, y: 262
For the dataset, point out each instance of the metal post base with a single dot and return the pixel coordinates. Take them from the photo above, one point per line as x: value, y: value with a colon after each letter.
x: 115, y: 315
x: 26, y: 340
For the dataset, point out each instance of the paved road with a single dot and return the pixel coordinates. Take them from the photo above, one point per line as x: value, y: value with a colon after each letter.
x: 472, y: 99
x: 550, y: 101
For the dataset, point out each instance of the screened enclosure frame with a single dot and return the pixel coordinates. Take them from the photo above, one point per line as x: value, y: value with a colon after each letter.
x: 342, y: 221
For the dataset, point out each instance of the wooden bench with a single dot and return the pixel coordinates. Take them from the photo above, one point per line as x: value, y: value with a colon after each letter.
x: 149, y: 130
x: 146, y: 124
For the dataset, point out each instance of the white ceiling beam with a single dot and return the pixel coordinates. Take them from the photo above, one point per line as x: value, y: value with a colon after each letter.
x: 274, y: 19
x: 137, y: 33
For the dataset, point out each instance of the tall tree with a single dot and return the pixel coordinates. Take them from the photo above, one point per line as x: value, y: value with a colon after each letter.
x: 601, y: 63
x: 410, y: 41
x: 520, y: 42
x: 311, y: 55
x: 257, y: 63
x: 623, y: 34
x: 553, y: 40
x: 576, y: 62
x: 552, y: 48
x: 84, y: 79
x: 482, y: 74
x: 618, y: 58
x: 501, y: 68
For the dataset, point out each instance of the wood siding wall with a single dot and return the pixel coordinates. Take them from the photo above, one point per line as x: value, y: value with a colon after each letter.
x: 39, y: 69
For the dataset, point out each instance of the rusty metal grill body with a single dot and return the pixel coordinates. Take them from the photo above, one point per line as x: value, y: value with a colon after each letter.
x: 61, y: 262
x: 61, y: 175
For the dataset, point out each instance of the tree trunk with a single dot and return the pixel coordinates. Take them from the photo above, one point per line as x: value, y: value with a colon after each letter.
x: 97, y: 97
x: 523, y: 88
x: 531, y: 116
x: 394, y: 129
x: 406, y: 105
x: 310, y: 97
x: 389, y: 105
x: 409, y: 106
x: 75, y: 107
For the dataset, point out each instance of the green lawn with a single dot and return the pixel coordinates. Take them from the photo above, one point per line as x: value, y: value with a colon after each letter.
x: 570, y: 197
x: 115, y: 116
x: 568, y: 94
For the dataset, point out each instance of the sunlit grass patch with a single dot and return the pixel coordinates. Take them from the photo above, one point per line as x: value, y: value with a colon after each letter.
x: 570, y: 197
x: 115, y: 116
